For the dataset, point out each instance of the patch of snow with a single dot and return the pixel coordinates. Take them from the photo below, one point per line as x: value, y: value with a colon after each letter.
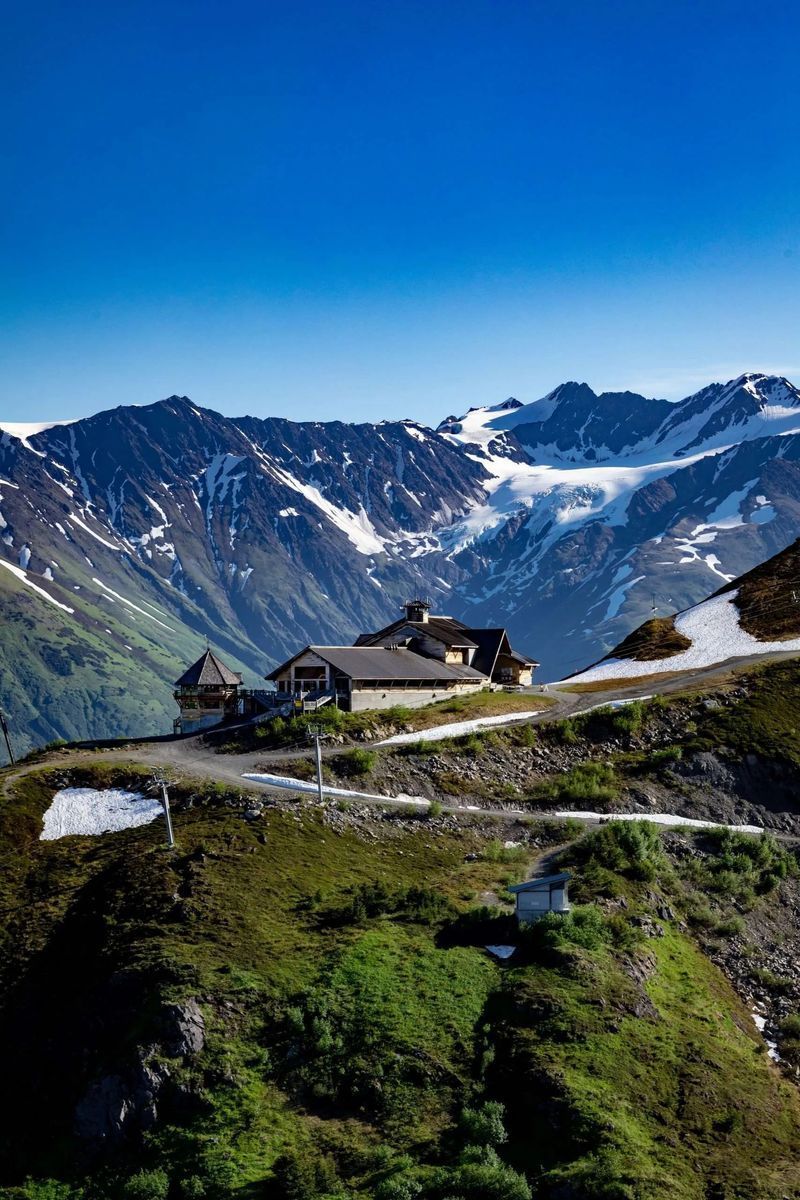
x: 86, y: 811
x: 715, y: 633
x: 303, y: 785
x: 20, y: 574
x: 75, y: 520
x: 130, y: 604
x: 658, y: 819
x: 760, y: 1021
x: 456, y: 729
x: 26, y: 429
x: 357, y: 527
x: 25, y: 556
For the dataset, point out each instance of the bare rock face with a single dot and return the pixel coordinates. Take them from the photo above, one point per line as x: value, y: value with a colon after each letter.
x: 183, y: 1029
x: 122, y: 1105
x: 118, y: 1107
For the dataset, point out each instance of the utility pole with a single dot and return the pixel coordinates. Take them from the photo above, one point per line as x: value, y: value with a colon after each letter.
x: 167, y: 814
x: 316, y: 735
x: 4, y: 727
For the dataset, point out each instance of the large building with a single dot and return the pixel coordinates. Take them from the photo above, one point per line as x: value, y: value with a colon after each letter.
x: 416, y: 660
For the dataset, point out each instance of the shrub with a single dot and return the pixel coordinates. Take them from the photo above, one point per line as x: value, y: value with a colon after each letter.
x: 146, y: 1185
x: 583, y: 926
x: 789, y: 1027
x: 484, y: 1126
x: 369, y: 900
x: 435, y: 809
x: 586, y: 783
x: 356, y: 762
x: 525, y: 735
x: 297, y: 1177
x: 564, y: 731
x: 741, y: 866
x: 732, y: 927
x: 631, y: 848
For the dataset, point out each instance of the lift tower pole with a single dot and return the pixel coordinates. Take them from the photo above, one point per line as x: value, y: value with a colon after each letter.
x: 4, y: 727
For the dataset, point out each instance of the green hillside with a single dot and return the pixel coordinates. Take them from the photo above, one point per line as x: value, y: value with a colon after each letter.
x: 359, y: 1040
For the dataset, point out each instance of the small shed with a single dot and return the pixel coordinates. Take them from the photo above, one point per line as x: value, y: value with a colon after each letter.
x: 535, y: 897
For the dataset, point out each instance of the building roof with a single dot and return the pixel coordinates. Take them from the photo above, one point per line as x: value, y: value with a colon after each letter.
x: 379, y: 662
x: 544, y: 881
x: 443, y: 629
x: 489, y: 643
x: 208, y: 670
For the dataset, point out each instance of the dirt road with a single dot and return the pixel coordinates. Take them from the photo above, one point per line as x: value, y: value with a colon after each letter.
x: 191, y: 757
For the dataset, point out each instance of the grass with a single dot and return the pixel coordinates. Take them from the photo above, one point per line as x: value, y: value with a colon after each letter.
x: 280, y: 733
x: 586, y: 783
x: 765, y: 721
x: 646, y: 1104
x: 351, y: 1015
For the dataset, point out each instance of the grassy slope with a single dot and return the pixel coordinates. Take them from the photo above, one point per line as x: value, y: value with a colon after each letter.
x: 105, y: 671
x: 362, y: 726
x: 681, y: 1104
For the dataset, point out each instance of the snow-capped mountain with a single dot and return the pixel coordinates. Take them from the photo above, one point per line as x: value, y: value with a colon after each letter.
x: 600, y: 507
x: 127, y: 537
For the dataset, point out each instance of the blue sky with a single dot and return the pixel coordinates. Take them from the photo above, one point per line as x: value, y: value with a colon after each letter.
x: 370, y: 209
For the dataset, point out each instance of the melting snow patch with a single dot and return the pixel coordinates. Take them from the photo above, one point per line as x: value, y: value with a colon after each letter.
x: 302, y: 785
x: 760, y: 1021
x: 88, y: 812
x: 658, y: 819
x: 20, y: 574
x: 715, y: 633
x: 456, y: 729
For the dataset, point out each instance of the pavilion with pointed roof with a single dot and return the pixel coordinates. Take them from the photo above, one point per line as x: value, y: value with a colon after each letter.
x: 207, y: 693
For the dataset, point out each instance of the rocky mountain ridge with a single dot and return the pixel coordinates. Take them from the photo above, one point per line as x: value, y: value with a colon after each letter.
x: 127, y: 537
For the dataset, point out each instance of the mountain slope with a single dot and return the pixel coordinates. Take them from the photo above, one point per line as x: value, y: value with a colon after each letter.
x: 598, y: 506
x: 756, y: 614
x: 564, y: 519
x: 139, y: 528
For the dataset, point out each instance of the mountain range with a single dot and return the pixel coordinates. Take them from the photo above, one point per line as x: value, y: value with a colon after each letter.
x: 129, y: 537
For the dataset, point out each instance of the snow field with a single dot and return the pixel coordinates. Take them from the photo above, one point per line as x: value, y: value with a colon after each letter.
x: 456, y: 728
x: 86, y: 811
x: 715, y: 633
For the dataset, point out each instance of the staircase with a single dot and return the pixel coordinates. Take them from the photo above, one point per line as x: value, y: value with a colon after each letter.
x: 312, y: 701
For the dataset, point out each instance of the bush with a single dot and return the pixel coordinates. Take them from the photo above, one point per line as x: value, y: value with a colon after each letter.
x: 495, y: 851
x: 435, y: 808
x: 355, y: 762
x: 583, y: 926
x: 369, y: 900
x: 741, y: 866
x: 587, y: 783
x: 146, y: 1185
x: 631, y: 848
x: 297, y: 1177
x: 484, y: 1126
x: 789, y: 1028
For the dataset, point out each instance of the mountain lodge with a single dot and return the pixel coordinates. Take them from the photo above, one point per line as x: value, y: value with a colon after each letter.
x: 416, y: 660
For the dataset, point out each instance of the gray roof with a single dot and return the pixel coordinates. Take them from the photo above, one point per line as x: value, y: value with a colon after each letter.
x: 442, y: 629
x: 208, y: 670
x: 544, y: 881
x: 378, y: 662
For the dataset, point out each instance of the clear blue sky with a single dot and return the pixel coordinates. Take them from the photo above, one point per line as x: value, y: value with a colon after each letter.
x: 393, y: 207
